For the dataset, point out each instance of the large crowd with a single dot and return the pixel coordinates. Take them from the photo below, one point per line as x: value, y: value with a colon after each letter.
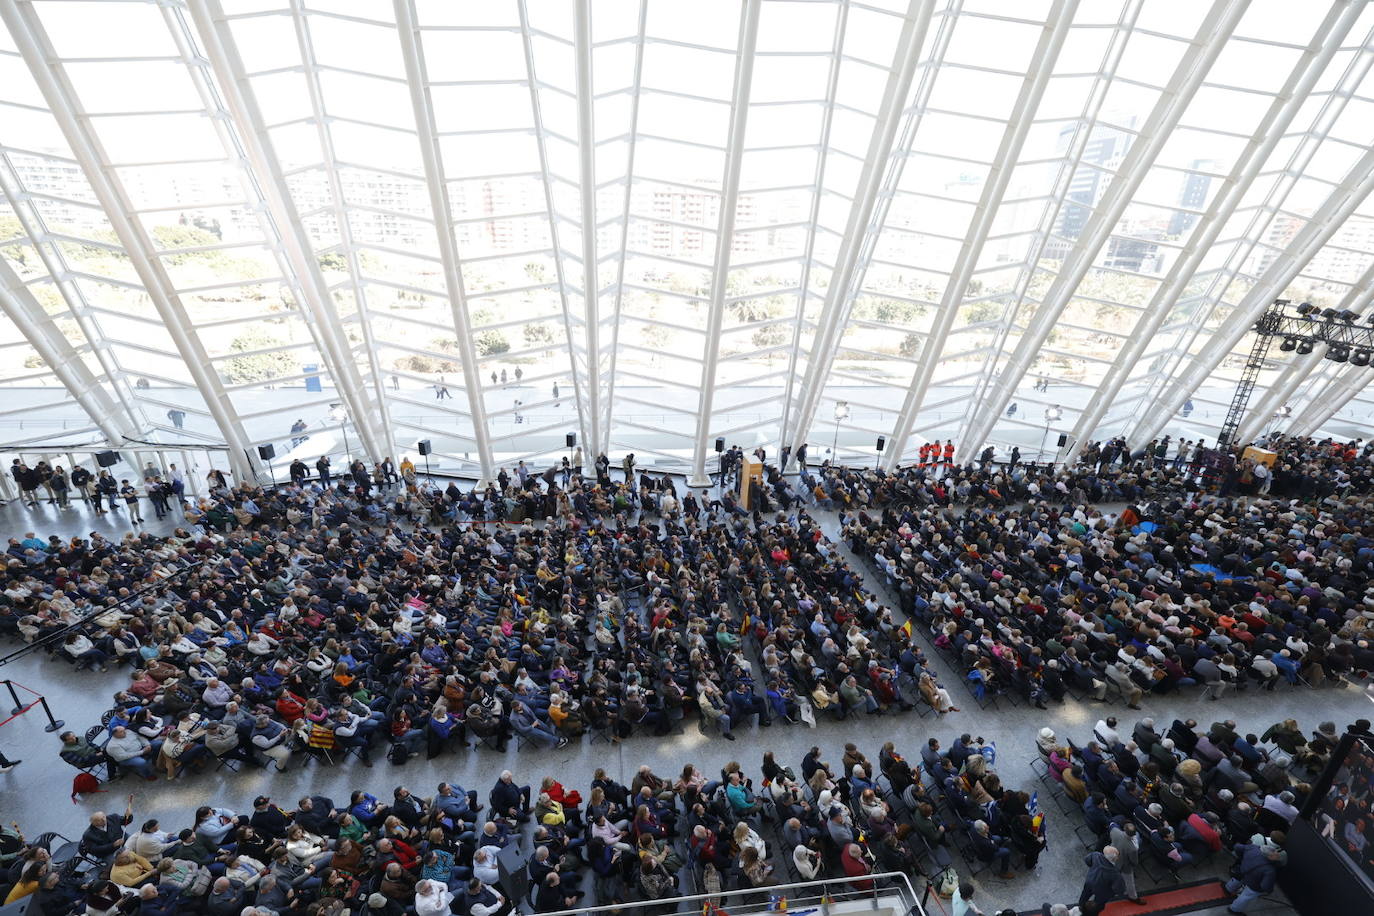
x: 1146, y: 801
x: 373, y: 613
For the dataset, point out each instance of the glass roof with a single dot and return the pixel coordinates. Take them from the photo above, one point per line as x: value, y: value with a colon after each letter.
x: 651, y: 223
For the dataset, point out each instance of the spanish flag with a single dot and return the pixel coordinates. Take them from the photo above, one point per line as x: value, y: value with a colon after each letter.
x: 906, y: 628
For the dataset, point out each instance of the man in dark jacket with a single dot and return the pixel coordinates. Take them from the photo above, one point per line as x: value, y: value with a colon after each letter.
x: 1255, y: 874
x: 509, y: 799
x: 105, y: 836
x: 158, y: 900
x: 1104, y: 882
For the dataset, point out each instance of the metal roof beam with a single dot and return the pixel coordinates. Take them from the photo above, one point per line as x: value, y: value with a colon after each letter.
x: 412, y: 51
x: 725, y: 233
x: 1054, y: 33
x: 1277, y: 119
x: 1187, y: 78
x: 31, y: 38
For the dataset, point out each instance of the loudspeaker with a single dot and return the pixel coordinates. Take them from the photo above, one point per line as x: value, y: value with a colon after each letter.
x: 1063, y: 440
x: 881, y: 443
x: 572, y: 440
x: 720, y: 444
x: 512, y: 874
x: 267, y: 452
x: 424, y: 447
x: 107, y: 459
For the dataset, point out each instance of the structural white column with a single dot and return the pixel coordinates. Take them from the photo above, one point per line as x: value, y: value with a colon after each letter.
x: 331, y: 170
x: 1259, y: 413
x: 1187, y: 78
x: 221, y: 50
x: 1344, y: 200
x: 413, y: 52
x: 32, y: 41
x: 818, y: 185
x: 1356, y: 299
x: 1272, y: 127
x: 905, y: 59
x: 725, y: 233
x: 1350, y: 381
x: 54, y: 262
x: 546, y: 176
x: 19, y: 306
x: 1052, y: 37
x: 596, y: 431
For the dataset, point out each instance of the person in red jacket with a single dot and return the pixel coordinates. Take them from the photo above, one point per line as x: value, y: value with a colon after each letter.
x: 856, y: 866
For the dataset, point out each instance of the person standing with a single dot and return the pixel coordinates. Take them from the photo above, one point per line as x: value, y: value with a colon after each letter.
x: 44, y: 472
x: 298, y: 472
x: 629, y: 465
x: 1253, y: 875
x: 322, y: 466
x: 1103, y: 882
x: 60, y: 487
x: 1126, y: 841
x: 503, y: 376
x: 296, y: 429
x: 81, y: 480
x: 519, y: 374
x: 130, y: 496
x: 801, y: 456
x: 441, y: 390
x: 176, y: 480
x: 178, y: 417
x: 106, y: 486
x: 557, y: 398
x: 158, y: 491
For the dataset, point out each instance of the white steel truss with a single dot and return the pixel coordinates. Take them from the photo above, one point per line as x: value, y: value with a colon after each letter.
x: 366, y: 413
x: 48, y: 72
x: 725, y: 232
x: 1348, y: 196
x: 1277, y: 119
x: 875, y: 167
x: 19, y: 306
x: 1187, y: 79
x: 1052, y: 37
x: 679, y: 221
x: 442, y: 213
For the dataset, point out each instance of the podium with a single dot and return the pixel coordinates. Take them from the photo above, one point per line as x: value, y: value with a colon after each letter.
x: 751, y: 469
x: 1260, y: 456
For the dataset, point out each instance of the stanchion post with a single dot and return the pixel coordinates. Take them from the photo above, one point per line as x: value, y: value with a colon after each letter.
x: 18, y: 707
x: 53, y: 724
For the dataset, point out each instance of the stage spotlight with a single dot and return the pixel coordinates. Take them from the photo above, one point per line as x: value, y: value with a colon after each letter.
x: 1306, y: 308
x: 1288, y: 345
x: 1328, y: 313
x: 1360, y: 358
x: 1348, y: 316
x: 1338, y: 354
x: 1304, y: 347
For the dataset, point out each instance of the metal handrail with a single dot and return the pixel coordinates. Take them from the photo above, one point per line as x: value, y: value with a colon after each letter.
x: 902, y: 884
x: 62, y: 632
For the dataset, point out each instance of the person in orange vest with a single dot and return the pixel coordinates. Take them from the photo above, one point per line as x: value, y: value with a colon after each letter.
x: 949, y: 453
x: 924, y: 452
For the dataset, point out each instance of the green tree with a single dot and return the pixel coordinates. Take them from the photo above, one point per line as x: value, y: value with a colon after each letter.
x: 770, y: 335
x: 491, y: 343
x: 910, y: 346
x: 257, y: 367
x: 537, y: 335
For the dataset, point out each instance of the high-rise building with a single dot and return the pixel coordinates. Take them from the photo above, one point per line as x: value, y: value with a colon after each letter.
x: 1192, y: 195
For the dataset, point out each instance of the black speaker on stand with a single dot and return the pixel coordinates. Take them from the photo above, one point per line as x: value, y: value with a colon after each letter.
x: 877, y: 460
x: 425, y: 448
x: 267, y: 453
x: 107, y: 459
